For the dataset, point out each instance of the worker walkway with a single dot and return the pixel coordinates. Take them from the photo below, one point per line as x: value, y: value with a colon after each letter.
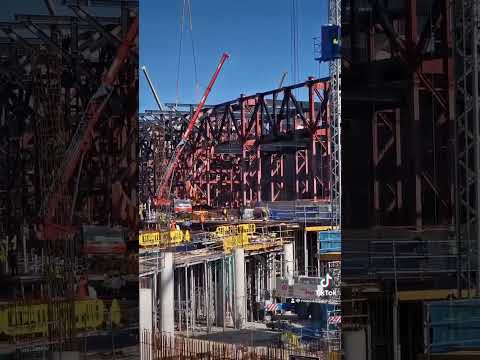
x: 266, y: 238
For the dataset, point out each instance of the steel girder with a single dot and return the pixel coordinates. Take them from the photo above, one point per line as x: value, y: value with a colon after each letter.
x: 260, y: 147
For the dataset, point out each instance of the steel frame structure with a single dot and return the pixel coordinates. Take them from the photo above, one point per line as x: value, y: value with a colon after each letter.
x: 467, y: 66
x: 51, y: 66
x: 402, y: 55
x: 335, y: 68
x: 263, y: 147
x: 412, y: 136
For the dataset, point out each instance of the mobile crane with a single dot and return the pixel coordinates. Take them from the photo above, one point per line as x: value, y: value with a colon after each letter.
x: 164, y: 188
x: 81, y: 142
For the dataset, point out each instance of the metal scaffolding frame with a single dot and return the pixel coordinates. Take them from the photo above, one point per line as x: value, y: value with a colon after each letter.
x: 335, y: 68
x: 50, y: 68
x: 467, y: 66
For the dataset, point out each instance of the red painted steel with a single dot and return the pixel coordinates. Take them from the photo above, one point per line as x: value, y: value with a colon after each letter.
x: 82, y: 143
x: 179, y: 149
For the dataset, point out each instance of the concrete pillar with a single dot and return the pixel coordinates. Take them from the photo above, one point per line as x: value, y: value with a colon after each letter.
x: 146, y: 322
x: 239, y: 291
x: 220, y: 294
x: 155, y: 301
x: 167, y: 321
x: 288, y: 262
x: 305, y: 250
x: 146, y: 318
x: 272, y: 274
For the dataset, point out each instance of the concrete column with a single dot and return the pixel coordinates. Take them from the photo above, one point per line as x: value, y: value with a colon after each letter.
x: 305, y: 250
x: 239, y: 290
x: 220, y: 294
x: 193, y: 298
x: 272, y: 275
x: 146, y: 321
x: 155, y: 301
x: 146, y: 318
x: 288, y: 262
x: 167, y: 321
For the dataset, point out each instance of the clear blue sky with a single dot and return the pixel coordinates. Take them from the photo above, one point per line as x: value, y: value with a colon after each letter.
x: 256, y: 34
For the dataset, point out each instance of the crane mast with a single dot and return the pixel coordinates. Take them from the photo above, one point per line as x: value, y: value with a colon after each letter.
x: 335, y: 68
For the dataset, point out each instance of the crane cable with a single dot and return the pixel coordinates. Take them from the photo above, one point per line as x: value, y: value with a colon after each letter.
x: 193, y: 49
x: 186, y: 12
x: 294, y: 38
x: 182, y: 20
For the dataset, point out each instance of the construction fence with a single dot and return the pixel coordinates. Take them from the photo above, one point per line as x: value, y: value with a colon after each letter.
x: 164, y: 346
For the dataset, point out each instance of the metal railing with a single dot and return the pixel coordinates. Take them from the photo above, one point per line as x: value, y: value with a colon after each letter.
x: 389, y: 257
x: 452, y: 326
x: 299, y: 211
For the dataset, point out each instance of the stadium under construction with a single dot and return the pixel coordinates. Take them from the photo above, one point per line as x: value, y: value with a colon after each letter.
x: 256, y: 247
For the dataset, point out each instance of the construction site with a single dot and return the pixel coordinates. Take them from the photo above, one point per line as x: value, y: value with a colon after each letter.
x: 410, y: 150
x: 332, y: 215
x: 68, y: 177
x: 240, y: 217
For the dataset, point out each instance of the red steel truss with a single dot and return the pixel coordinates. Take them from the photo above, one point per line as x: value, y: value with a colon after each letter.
x: 264, y: 147
x: 411, y: 112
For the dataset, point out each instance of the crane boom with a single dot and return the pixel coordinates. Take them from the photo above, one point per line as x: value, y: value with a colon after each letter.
x: 157, y: 99
x: 81, y: 139
x: 179, y: 148
x: 282, y: 79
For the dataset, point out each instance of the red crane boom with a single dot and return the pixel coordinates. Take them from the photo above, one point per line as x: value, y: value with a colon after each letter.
x: 179, y: 149
x: 80, y: 143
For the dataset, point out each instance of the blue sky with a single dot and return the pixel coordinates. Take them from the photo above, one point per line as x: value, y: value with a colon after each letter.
x: 256, y: 34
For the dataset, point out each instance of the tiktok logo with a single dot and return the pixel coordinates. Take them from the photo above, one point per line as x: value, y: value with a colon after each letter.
x: 325, y: 283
